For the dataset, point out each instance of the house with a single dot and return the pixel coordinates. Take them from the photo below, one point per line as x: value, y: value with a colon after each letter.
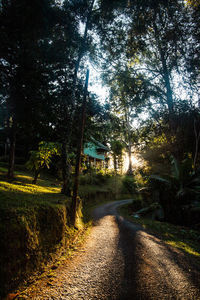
x: 96, y: 154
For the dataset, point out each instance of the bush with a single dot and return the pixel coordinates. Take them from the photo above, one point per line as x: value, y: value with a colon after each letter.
x: 129, y: 184
x: 137, y: 204
x: 94, y: 178
x: 101, y: 178
x: 85, y: 179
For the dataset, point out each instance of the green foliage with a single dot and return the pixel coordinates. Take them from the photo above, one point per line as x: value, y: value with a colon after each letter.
x: 94, y: 177
x: 185, y: 239
x: 137, y: 204
x: 194, y: 3
x: 129, y: 184
x: 182, y: 180
x: 101, y: 177
x: 42, y: 157
x: 88, y: 178
x: 117, y: 147
x: 21, y: 193
x: 34, y: 227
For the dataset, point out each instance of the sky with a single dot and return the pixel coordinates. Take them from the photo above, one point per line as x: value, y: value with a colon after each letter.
x: 96, y: 85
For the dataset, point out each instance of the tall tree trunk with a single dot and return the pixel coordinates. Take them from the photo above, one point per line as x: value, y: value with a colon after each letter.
x: 169, y: 94
x: 82, y: 48
x: 115, y: 162
x: 165, y: 72
x: 12, y: 138
x: 78, y: 156
x: 65, y: 165
x: 130, y: 168
x: 197, y: 138
x: 66, y: 187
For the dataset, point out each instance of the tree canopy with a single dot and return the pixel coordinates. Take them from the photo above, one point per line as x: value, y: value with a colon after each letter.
x: 147, y: 53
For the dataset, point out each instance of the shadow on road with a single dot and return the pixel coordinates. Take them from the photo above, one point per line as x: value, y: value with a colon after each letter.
x: 152, y: 269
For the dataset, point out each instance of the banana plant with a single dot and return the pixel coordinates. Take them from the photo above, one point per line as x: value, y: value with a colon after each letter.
x: 182, y: 180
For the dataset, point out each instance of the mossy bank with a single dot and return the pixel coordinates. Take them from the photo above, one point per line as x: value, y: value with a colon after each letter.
x: 34, y: 227
x: 35, y: 223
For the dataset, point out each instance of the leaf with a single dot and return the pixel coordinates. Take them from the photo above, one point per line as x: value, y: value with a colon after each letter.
x: 159, y: 178
x: 176, y: 167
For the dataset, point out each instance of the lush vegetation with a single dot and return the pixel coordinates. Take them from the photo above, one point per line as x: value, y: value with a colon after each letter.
x: 35, y: 221
x: 183, y: 238
x: 148, y: 55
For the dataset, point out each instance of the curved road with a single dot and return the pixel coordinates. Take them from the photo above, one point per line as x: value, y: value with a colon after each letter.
x: 119, y: 260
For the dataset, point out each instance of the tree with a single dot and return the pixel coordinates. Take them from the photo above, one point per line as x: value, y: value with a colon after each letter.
x: 158, y: 35
x: 150, y: 40
x: 22, y: 63
x: 42, y: 158
x: 117, y: 152
x: 182, y: 184
x: 79, y: 151
x: 127, y: 94
x: 84, y: 12
x: 192, y: 52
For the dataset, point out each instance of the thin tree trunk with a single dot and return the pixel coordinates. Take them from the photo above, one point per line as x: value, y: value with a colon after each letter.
x: 80, y: 56
x: 169, y: 93
x: 130, y: 168
x: 115, y: 162
x: 78, y: 156
x: 165, y: 73
x: 11, y: 164
x: 65, y: 166
x: 82, y: 48
x: 66, y: 187
x: 197, y: 138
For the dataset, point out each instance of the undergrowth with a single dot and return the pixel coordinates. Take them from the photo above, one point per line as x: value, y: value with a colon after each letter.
x: 183, y: 238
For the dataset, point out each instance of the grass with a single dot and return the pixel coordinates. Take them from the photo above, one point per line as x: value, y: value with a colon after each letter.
x: 183, y: 238
x: 38, y: 227
x: 112, y: 184
x: 109, y: 190
x: 34, y: 226
x: 20, y: 192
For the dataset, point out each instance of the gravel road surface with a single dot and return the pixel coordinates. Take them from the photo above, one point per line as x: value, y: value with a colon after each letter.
x: 119, y: 260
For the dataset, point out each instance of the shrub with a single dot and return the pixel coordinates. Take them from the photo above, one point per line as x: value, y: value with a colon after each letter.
x: 137, y: 204
x: 101, y: 178
x: 94, y: 178
x: 42, y: 158
x: 129, y: 184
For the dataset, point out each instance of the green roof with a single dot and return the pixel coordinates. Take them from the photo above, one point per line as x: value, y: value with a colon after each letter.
x: 92, y: 147
x: 99, y: 145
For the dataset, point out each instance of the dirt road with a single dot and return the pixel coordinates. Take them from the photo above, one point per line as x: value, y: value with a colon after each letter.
x: 121, y: 261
